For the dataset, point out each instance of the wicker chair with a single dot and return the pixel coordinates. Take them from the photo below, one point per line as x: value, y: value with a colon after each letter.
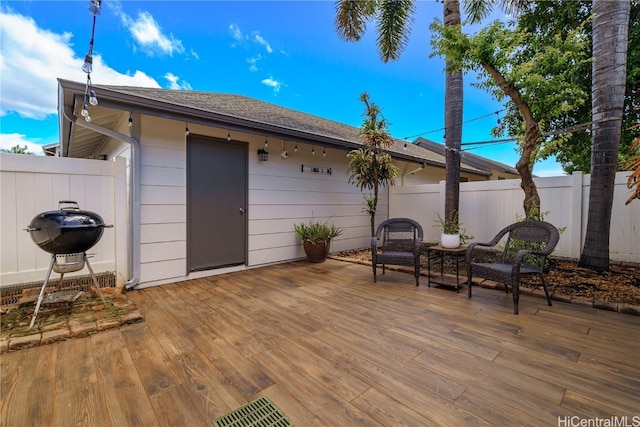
x: 525, y: 251
x: 399, y: 241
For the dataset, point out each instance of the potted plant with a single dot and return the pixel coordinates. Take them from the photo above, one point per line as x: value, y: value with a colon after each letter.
x: 316, y: 238
x: 453, y: 235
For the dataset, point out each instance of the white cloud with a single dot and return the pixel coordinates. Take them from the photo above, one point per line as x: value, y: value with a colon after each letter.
x: 236, y: 33
x: 10, y: 140
x: 258, y: 38
x: 253, y: 62
x: 33, y: 58
x: 175, y: 83
x: 148, y: 34
x: 276, y: 85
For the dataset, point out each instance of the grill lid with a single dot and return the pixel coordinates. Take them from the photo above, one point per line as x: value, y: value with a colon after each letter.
x: 67, y: 230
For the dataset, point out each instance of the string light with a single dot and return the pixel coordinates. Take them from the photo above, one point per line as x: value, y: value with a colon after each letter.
x: 266, y: 143
x: 313, y: 151
x: 130, y: 120
x: 295, y: 149
x: 465, y: 122
x: 87, y: 66
x: 186, y: 129
x: 324, y: 152
x: 229, y: 135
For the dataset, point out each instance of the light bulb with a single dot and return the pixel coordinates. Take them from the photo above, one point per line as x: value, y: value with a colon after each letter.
x: 93, y: 99
x: 324, y: 152
x: 88, y: 118
x: 313, y: 151
x: 94, y: 7
x: 87, y: 67
x: 85, y: 111
x: 229, y: 136
x: 186, y: 130
x: 266, y: 143
x: 444, y: 139
x: 295, y: 149
x: 130, y: 121
x: 404, y: 147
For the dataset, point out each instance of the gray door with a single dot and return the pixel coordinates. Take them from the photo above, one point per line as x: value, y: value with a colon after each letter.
x: 216, y: 203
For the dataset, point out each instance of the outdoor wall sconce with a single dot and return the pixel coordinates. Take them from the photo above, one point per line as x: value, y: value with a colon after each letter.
x: 263, y: 155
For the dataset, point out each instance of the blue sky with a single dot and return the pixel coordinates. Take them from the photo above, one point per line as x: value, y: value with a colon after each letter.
x: 287, y: 53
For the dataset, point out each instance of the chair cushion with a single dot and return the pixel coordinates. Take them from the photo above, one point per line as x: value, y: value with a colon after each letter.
x: 395, y: 257
x: 502, y: 268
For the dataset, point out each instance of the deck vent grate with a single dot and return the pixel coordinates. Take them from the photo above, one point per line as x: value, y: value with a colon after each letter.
x: 258, y: 413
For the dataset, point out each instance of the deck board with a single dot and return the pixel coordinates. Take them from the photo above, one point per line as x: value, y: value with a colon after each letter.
x: 331, y: 348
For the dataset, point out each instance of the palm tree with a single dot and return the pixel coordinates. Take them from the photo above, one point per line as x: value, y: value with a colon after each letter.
x: 394, y: 20
x: 610, y: 43
x: 453, y: 92
x: 370, y: 167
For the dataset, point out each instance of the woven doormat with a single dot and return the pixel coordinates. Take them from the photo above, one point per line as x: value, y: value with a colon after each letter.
x: 258, y: 413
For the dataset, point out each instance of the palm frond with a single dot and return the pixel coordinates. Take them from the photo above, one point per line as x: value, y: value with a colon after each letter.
x: 394, y: 27
x: 352, y: 17
x: 477, y: 10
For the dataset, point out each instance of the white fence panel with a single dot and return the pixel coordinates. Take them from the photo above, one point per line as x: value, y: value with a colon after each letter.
x: 34, y: 184
x: 488, y: 206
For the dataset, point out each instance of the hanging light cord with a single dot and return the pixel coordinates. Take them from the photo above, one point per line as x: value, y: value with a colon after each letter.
x: 87, y: 66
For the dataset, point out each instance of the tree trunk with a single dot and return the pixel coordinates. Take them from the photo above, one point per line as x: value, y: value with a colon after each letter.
x: 452, y: 121
x: 375, y: 192
x: 532, y: 140
x: 610, y: 40
x: 531, y: 203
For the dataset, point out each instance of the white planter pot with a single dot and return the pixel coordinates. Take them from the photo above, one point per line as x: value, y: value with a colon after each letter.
x: 450, y: 240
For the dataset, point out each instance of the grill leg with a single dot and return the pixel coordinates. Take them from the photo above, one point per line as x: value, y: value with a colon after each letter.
x: 93, y: 276
x: 41, y: 296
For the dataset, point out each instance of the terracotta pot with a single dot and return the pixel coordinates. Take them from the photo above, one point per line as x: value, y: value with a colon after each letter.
x: 317, y: 252
x: 450, y: 240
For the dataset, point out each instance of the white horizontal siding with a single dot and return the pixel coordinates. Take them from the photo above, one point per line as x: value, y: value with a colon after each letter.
x: 163, y: 214
x: 170, y: 232
x: 172, y: 269
x: 152, y: 252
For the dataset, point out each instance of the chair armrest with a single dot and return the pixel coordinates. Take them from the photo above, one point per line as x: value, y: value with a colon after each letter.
x: 472, y: 246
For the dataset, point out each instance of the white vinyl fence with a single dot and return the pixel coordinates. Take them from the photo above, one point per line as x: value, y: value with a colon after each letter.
x: 488, y: 206
x: 30, y: 185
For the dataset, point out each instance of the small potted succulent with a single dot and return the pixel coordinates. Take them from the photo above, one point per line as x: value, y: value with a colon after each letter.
x: 453, y: 235
x: 316, y: 238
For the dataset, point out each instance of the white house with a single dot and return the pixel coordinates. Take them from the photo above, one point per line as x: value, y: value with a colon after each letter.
x: 216, y: 182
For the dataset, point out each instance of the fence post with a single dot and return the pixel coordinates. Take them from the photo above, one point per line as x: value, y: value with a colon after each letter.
x: 574, y: 228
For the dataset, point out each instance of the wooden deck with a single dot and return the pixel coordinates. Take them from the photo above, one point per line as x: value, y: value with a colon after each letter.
x: 331, y: 348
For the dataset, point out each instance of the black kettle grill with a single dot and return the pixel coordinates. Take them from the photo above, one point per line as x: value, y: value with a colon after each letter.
x: 68, y: 230
x: 66, y: 234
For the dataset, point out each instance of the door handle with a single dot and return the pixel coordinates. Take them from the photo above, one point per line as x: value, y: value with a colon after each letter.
x: 241, y: 210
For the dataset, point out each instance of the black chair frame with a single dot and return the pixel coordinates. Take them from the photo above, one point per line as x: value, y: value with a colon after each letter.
x: 526, y: 249
x: 397, y: 241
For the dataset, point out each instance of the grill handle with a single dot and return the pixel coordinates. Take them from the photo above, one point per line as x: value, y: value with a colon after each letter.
x: 68, y: 202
